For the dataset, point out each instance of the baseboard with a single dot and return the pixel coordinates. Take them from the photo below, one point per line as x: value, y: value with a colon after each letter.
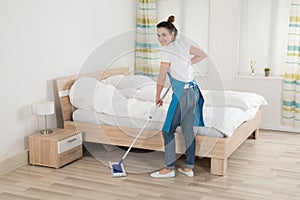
x: 13, y: 162
x: 283, y: 129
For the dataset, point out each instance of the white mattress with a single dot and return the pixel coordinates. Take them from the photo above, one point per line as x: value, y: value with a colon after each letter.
x: 219, y: 121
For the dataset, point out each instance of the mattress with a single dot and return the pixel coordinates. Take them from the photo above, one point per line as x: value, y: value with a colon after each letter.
x: 219, y: 122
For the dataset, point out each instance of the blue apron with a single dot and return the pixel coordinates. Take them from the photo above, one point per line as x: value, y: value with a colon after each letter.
x: 178, y: 87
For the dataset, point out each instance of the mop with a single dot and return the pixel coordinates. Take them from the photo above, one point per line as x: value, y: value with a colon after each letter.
x: 117, y: 168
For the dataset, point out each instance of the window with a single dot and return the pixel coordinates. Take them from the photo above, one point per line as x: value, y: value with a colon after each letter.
x: 263, y: 35
x: 191, y: 20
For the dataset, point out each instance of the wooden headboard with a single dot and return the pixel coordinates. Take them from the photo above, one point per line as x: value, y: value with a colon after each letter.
x: 64, y: 84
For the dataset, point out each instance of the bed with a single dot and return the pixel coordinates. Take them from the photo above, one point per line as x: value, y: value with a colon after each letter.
x: 218, y: 149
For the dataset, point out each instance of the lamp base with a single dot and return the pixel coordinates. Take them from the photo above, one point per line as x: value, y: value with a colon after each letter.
x: 46, y: 131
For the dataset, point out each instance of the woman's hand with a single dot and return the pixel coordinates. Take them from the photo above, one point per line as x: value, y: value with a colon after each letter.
x: 159, y: 101
x: 197, y: 53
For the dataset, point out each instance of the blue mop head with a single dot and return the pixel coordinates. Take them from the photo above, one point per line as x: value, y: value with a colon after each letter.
x: 117, y: 169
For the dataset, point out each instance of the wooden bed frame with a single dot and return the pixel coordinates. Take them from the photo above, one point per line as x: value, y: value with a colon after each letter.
x: 218, y: 149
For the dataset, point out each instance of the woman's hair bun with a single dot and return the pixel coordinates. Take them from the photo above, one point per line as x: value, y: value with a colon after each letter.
x: 171, y: 19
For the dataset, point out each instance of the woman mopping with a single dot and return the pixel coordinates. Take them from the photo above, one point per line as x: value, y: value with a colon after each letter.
x: 186, y: 106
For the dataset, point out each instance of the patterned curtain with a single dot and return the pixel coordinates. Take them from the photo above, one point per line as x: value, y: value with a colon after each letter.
x: 291, y: 86
x: 147, y: 48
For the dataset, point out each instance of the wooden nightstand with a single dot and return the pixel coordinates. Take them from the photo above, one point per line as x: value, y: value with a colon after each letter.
x: 56, y: 149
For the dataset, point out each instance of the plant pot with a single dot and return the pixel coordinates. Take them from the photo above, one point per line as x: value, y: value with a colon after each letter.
x: 267, y: 73
x: 252, y: 73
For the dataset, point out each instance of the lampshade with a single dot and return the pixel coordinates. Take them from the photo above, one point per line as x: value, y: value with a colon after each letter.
x: 45, y: 108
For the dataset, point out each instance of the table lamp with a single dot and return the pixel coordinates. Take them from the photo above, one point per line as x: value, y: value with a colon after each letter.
x: 45, y: 108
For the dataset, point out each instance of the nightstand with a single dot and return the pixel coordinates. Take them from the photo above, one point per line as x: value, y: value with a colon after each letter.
x: 56, y: 149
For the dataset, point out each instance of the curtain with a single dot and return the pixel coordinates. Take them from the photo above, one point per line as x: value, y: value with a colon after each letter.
x: 291, y: 85
x: 147, y: 49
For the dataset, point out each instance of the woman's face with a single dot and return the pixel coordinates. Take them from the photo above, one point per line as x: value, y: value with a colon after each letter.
x: 164, y: 36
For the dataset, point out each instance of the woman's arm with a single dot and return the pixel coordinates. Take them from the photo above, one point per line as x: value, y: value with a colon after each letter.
x: 198, y: 54
x: 164, y: 67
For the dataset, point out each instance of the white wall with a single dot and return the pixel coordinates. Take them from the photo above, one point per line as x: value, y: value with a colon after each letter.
x: 224, y: 53
x: 42, y: 40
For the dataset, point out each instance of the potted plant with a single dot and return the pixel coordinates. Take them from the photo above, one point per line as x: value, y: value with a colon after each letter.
x: 267, y: 71
x: 252, y: 67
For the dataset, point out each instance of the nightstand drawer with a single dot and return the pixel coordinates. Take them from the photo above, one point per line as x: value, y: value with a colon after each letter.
x: 69, y: 143
x: 70, y: 155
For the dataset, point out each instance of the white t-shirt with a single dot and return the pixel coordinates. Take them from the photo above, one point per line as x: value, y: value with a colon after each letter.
x: 177, y: 53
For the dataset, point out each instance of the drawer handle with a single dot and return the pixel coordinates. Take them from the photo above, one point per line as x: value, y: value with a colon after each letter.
x: 74, y: 139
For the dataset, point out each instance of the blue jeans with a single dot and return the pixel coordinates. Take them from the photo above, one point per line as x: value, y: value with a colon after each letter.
x: 184, y: 116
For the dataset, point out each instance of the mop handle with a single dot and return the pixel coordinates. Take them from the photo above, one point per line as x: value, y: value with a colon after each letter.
x: 165, y: 94
x: 157, y: 105
x: 148, y: 120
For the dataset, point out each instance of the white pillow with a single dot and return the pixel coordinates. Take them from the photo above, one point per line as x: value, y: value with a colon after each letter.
x: 132, y: 93
x: 113, y: 80
x: 109, y: 100
x: 90, y: 94
x: 243, y: 100
x: 130, y: 81
x: 82, y: 93
x: 145, y: 94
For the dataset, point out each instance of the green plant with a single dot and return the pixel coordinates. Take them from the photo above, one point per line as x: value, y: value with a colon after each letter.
x: 267, y: 71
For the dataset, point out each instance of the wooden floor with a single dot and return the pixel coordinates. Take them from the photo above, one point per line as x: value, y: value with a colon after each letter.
x: 266, y: 168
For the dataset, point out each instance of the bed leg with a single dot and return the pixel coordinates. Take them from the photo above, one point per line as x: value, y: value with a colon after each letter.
x: 255, y: 134
x: 218, y: 166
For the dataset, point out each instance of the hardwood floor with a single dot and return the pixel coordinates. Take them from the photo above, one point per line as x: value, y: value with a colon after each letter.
x: 266, y: 168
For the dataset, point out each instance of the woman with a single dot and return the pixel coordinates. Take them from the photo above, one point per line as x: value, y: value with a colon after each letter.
x: 186, y: 106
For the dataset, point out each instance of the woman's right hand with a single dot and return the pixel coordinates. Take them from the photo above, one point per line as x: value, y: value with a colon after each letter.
x: 159, y: 101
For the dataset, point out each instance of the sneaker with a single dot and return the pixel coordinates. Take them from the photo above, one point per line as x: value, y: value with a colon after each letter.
x: 188, y: 174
